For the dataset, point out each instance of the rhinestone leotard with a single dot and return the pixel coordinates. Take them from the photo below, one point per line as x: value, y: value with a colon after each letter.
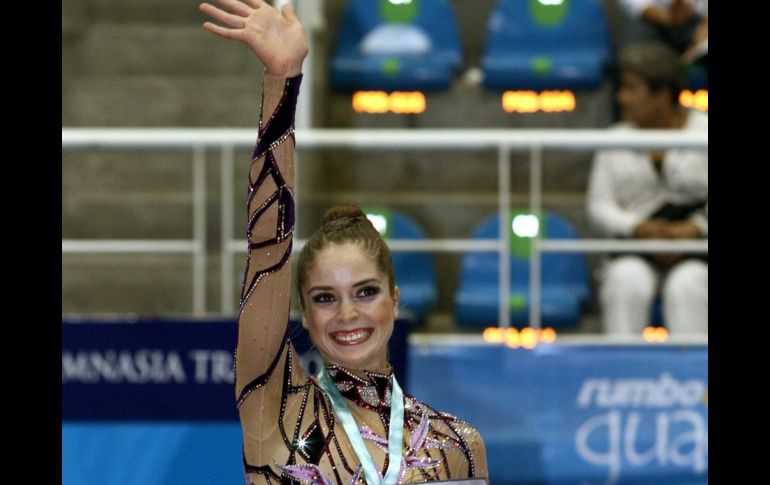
x: 290, y: 432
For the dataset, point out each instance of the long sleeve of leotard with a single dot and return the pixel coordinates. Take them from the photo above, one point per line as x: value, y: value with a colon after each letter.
x: 265, y: 293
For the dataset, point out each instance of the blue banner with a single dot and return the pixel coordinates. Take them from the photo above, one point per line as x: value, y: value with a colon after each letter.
x: 577, y: 414
x: 557, y: 414
x: 151, y: 370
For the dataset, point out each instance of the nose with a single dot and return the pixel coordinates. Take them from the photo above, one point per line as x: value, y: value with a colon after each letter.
x: 348, y: 312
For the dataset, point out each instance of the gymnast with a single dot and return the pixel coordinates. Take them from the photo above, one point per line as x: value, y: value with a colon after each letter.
x: 350, y: 424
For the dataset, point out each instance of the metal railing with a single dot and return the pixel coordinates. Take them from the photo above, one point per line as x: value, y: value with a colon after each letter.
x: 504, y: 141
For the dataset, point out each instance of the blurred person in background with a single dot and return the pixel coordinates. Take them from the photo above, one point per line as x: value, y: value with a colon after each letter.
x: 652, y: 195
x: 681, y: 24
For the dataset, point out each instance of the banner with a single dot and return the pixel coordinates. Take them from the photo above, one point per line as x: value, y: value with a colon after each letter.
x: 152, y: 403
x: 167, y: 369
x: 577, y: 414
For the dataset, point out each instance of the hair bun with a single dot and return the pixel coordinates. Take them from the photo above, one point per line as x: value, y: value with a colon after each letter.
x: 342, y: 211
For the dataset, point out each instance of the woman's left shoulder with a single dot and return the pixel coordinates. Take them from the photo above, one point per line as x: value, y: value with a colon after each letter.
x: 439, y: 419
x: 452, y: 432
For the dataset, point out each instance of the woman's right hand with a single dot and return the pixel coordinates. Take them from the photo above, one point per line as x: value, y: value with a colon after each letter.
x: 277, y: 38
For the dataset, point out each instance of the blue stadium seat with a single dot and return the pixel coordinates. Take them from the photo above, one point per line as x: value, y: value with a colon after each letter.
x: 697, y: 77
x: 415, y: 273
x: 389, y: 45
x: 539, y: 44
x: 565, y: 279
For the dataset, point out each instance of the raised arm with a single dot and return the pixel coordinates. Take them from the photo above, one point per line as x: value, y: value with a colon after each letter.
x: 278, y: 40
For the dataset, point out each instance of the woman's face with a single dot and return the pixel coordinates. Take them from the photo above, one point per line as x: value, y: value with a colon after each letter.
x: 348, y: 308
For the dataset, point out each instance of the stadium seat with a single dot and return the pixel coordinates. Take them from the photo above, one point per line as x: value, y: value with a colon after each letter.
x: 539, y: 44
x: 415, y: 273
x: 697, y: 76
x: 565, y: 278
x: 396, y: 45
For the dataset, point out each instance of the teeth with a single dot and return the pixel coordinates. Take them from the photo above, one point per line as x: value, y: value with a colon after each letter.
x: 350, y: 337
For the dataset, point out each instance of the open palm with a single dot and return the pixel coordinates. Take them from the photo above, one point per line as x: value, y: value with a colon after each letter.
x: 277, y: 38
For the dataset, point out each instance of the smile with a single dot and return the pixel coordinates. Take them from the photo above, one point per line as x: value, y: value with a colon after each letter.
x: 353, y: 337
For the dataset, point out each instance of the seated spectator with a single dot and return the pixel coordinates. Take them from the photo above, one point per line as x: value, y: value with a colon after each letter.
x: 652, y: 195
x: 682, y: 24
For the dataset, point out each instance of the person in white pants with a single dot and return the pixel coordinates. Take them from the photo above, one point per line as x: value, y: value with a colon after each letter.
x: 652, y: 195
x: 629, y: 288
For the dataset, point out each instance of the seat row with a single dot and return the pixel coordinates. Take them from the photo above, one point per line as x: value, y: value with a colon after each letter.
x: 412, y: 45
x: 565, y: 277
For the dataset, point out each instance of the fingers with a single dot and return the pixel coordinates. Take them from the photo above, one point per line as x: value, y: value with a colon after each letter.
x: 288, y: 12
x: 256, y: 3
x: 221, y: 31
x: 236, y: 7
x: 226, y: 18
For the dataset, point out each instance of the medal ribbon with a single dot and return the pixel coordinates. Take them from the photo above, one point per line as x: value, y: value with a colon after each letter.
x: 395, y: 435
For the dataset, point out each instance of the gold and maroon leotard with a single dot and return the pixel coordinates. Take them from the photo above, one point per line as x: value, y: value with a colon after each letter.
x: 290, y: 431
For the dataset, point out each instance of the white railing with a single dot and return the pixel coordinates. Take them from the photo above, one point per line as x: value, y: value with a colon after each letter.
x: 504, y: 141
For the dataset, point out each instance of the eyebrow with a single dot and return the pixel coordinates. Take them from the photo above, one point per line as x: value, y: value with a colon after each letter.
x: 360, y: 283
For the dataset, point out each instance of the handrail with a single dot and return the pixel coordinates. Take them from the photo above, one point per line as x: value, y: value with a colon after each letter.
x: 503, y: 140
x: 386, y: 139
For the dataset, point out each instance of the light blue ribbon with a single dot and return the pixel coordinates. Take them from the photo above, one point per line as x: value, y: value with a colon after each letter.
x: 395, y: 435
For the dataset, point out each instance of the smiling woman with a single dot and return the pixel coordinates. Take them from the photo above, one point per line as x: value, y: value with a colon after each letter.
x: 351, y: 424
